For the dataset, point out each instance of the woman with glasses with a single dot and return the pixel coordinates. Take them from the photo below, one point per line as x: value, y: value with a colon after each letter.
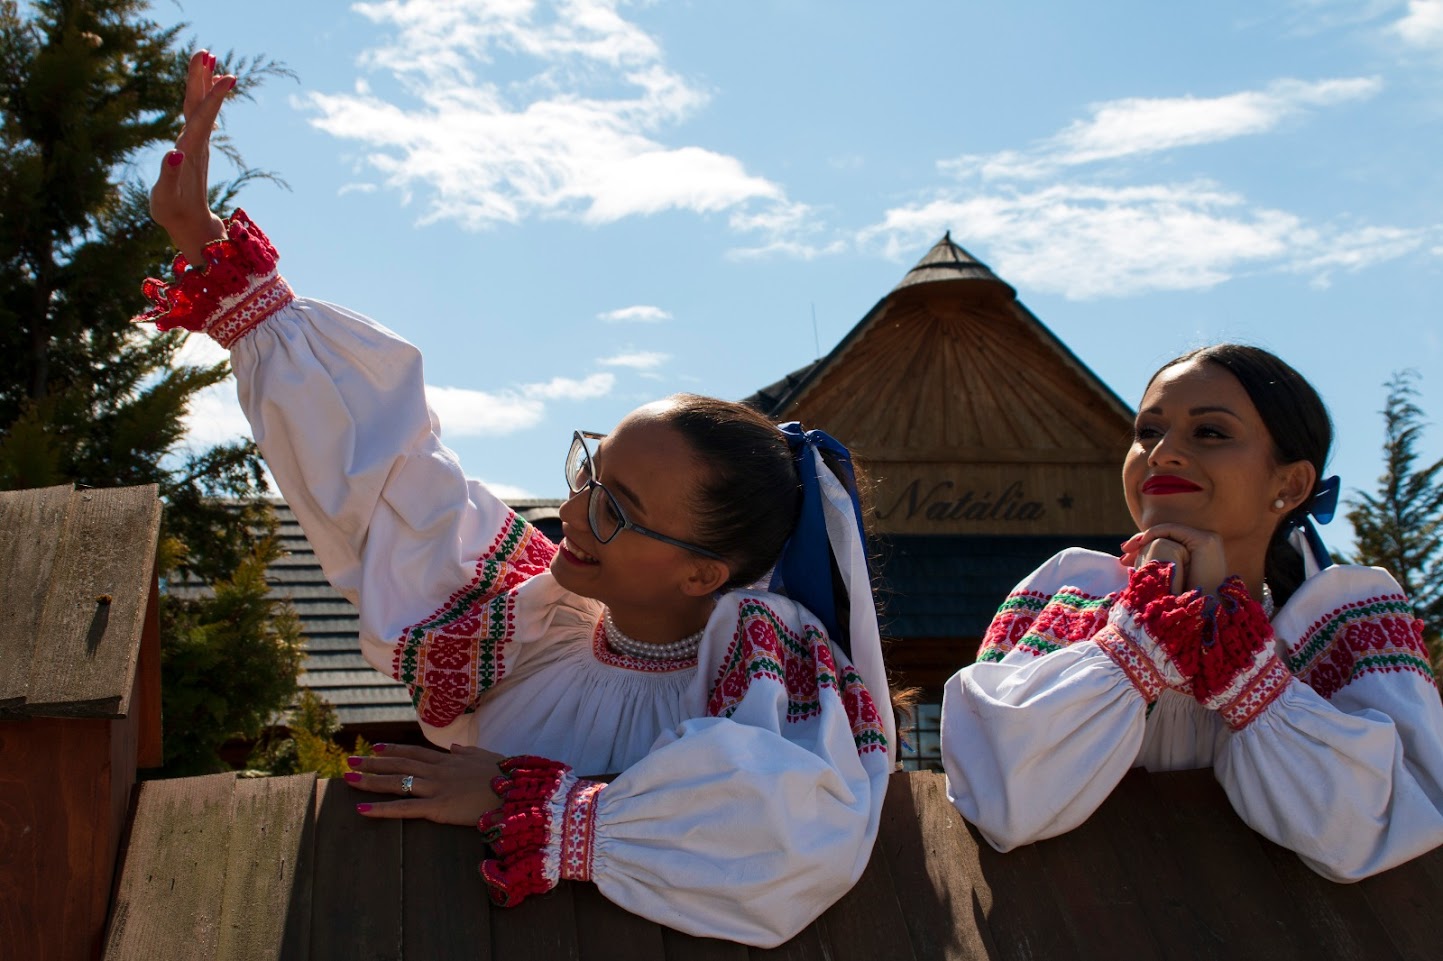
x: 751, y: 759
x: 1223, y: 636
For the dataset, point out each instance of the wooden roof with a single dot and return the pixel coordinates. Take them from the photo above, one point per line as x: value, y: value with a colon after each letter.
x: 965, y: 370
x: 283, y: 868
x: 77, y: 566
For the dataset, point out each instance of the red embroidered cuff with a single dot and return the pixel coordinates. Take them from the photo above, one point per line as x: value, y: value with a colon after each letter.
x: 1153, y: 634
x: 578, y: 837
x: 236, y: 288
x: 525, y: 831
x: 1240, y: 673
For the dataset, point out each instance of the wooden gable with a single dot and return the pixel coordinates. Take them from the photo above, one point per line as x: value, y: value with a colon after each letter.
x: 971, y: 417
x: 79, y: 705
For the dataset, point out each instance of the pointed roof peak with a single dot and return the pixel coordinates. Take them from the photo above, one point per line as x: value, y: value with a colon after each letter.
x: 947, y: 261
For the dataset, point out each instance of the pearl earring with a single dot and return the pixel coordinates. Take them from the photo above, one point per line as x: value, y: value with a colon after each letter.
x: 1279, y: 504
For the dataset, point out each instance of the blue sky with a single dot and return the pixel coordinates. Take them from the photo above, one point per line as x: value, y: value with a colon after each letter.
x: 575, y: 208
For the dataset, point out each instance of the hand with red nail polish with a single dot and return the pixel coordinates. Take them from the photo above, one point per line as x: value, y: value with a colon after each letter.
x: 446, y: 787
x: 179, y: 201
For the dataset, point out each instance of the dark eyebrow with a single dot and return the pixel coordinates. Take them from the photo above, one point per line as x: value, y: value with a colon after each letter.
x: 616, y: 485
x: 629, y: 494
x: 1197, y: 411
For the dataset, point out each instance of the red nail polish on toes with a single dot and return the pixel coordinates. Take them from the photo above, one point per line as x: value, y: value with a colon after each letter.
x: 362, y: 808
x: 380, y: 748
x: 353, y: 761
x: 351, y: 776
x: 174, y: 158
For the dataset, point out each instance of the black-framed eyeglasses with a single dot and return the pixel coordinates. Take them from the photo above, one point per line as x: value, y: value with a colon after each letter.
x: 603, y: 511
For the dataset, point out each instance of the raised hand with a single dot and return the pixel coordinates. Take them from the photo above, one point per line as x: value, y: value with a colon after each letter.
x: 178, y: 201
x: 446, y: 787
x: 1198, y: 559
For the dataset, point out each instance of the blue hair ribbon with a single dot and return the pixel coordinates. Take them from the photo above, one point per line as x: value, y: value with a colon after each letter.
x: 1321, y: 508
x: 804, y: 571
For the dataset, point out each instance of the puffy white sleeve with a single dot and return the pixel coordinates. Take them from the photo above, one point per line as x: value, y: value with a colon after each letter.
x: 1038, y: 732
x: 745, y: 824
x: 1345, y: 765
x: 337, y: 406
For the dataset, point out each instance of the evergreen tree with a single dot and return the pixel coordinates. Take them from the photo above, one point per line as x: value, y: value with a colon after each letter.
x: 1400, y: 526
x: 88, y: 90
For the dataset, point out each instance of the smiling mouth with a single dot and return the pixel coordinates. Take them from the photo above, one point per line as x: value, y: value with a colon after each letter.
x: 575, y: 554
x: 1167, y: 484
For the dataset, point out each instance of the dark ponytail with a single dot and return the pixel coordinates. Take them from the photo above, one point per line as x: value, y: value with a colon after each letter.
x: 1298, y: 423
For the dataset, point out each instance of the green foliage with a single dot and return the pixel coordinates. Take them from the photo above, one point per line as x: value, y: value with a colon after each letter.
x: 87, y: 89
x: 311, y: 746
x: 228, y: 664
x: 1400, y: 526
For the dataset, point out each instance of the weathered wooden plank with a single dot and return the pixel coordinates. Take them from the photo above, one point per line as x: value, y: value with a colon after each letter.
x: 685, y: 947
x: 266, y: 895
x: 608, y: 933
x: 867, y: 922
x: 1021, y: 921
x: 1405, y: 901
x: 168, y: 901
x: 151, y: 749
x: 30, y: 525
x: 1097, y: 891
x: 539, y: 927
x: 63, y: 805
x: 445, y: 912
x: 1129, y: 821
x: 1338, y: 915
x: 1231, y: 879
x: 94, y: 613
x: 932, y: 859
x: 806, y: 946
x: 356, y: 894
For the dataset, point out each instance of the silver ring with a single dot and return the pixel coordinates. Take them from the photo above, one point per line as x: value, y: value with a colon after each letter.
x: 406, y: 783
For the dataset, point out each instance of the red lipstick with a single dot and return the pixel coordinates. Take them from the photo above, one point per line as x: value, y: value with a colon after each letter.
x: 1168, y: 484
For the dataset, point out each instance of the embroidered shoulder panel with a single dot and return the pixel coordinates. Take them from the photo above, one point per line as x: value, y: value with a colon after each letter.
x: 1377, y: 635
x: 765, y: 649
x: 1038, y: 624
x: 453, y: 656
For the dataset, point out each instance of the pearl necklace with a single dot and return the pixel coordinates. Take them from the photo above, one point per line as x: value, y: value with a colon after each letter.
x: 682, y: 650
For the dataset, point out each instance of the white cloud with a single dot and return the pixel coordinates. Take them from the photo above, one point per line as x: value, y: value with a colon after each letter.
x: 464, y: 412
x: 1137, y: 126
x: 509, y: 492
x: 1422, y: 25
x: 215, y: 417
x: 1059, y: 216
x: 1086, y: 241
x: 638, y: 314
x: 636, y: 360
x: 577, y: 137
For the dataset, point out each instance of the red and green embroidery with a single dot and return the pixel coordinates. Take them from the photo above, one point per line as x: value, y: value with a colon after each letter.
x: 1038, y: 624
x: 765, y: 649
x: 1375, y: 635
x: 450, y: 658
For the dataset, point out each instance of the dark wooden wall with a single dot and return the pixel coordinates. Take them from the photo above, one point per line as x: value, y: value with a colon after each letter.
x: 284, y: 868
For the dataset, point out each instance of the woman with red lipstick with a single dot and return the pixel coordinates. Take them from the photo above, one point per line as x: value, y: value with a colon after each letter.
x: 752, y: 760
x: 1223, y: 636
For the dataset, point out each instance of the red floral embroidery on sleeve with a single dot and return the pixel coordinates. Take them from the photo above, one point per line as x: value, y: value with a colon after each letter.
x: 452, y: 657
x: 766, y: 649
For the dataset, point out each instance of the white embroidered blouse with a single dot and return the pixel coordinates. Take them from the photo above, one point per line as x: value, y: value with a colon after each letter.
x: 751, y: 779
x: 1331, y: 745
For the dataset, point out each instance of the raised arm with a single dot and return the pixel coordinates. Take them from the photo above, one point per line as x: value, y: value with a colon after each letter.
x: 337, y: 405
